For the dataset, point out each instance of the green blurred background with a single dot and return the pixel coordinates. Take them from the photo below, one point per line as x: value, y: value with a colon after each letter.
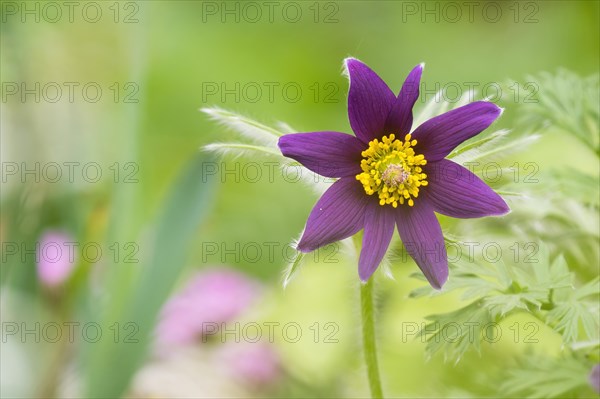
x: 175, y: 57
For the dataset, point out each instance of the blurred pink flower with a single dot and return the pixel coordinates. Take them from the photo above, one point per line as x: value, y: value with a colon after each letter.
x: 594, y: 378
x: 212, y: 296
x: 256, y: 364
x: 55, y: 257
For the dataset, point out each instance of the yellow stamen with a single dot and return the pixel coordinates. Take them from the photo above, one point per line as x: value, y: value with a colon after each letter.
x: 393, y: 170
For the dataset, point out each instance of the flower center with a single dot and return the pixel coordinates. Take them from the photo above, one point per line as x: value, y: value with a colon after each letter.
x: 394, y: 175
x: 392, y: 170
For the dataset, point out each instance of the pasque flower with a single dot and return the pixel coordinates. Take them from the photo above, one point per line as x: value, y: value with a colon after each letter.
x: 390, y: 176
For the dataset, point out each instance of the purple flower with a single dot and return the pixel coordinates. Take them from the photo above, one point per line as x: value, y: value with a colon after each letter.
x: 210, y: 298
x: 389, y: 176
x: 594, y: 378
x: 55, y: 257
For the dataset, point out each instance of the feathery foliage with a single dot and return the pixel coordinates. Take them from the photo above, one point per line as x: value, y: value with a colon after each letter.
x: 557, y: 222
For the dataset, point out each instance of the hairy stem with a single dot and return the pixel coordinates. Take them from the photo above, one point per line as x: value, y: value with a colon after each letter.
x: 368, y: 330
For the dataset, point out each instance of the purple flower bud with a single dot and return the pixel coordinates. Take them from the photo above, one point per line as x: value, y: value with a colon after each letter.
x: 594, y: 378
x: 55, y: 257
x: 210, y: 298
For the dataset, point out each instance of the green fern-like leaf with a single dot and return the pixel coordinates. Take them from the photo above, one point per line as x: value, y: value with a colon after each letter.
x: 545, y: 377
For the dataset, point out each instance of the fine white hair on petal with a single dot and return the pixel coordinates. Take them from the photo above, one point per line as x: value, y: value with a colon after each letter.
x: 345, y: 71
x: 294, y: 243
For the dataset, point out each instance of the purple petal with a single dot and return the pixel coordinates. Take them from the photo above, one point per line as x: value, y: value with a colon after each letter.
x: 400, y: 119
x: 455, y: 191
x: 338, y: 214
x: 440, y: 135
x: 330, y: 154
x: 379, y: 228
x: 369, y: 101
x: 422, y: 237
